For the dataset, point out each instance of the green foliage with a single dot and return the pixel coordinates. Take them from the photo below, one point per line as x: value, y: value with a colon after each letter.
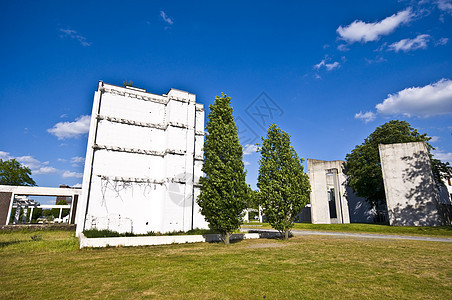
x: 363, y: 167
x: 13, y: 173
x: 56, y: 211
x: 283, y: 186
x: 441, y: 170
x: 224, y: 192
x: 37, y: 213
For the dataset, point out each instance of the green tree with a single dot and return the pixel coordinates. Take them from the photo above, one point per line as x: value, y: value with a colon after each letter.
x: 224, y: 192
x: 56, y: 211
x: 283, y: 186
x: 13, y: 173
x: 363, y: 167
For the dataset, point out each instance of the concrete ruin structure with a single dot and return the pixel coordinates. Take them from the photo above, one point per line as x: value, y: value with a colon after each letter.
x: 411, y: 193
x: 12, y: 196
x: 143, y: 162
x: 332, y: 201
x: 412, y: 196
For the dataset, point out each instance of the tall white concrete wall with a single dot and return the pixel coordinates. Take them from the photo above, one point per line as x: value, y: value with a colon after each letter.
x: 320, y: 183
x: 409, y: 185
x: 143, y: 162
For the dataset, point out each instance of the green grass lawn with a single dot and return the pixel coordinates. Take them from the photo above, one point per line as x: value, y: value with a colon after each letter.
x: 445, y: 231
x: 50, y: 266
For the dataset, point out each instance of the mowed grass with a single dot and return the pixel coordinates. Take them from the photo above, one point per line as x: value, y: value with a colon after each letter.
x: 306, y: 267
x: 445, y: 231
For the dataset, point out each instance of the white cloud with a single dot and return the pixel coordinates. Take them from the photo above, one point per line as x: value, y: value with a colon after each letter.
x: 77, y: 160
x: 63, y: 130
x: 44, y: 170
x: 74, y: 35
x: 61, y: 160
x: 343, y: 47
x: 430, y: 100
x: 365, y: 117
x: 442, y: 156
x: 67, y: 174
x: 246, y: 163
x: 31, y: 162
x: 4, y: 155
x: 377, y: 59
x: 359, y: 31
x: 434, y: 139
x: 77, y: 185
x: 442, y: 41
x: 36, y: 166
x: 328, y: 67
x: 419, y: 42
x: 166, y: 18
x: 249, y: 149
x: 445, y: 5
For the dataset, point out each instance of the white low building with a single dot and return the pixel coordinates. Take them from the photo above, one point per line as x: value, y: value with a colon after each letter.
x: 143, y: 162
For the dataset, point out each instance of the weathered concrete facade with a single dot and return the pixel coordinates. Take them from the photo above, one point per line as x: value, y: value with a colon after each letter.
x: 328, y: 200
x: 411, y: 194
x: 143, y: 162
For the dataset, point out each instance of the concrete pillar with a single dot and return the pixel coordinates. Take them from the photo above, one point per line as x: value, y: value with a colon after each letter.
x: 17, y: 215
x: 24, y: 216
x: 31, y: 214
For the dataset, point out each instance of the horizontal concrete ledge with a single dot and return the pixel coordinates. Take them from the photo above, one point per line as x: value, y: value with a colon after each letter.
x: 295, y: 232
x: 157, y: 240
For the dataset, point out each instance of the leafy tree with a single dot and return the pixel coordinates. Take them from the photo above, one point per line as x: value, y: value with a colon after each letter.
x: 37, y: 213
x: 224, y: 192
x: 363, y: 167
x: 283, y: 186
x: 13, y: 173
x: 56, y: 211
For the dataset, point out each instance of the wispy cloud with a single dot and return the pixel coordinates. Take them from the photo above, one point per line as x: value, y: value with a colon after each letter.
x: 36, y: 166
x: 249, y: 149
x: 430, y: 100
x: 434, y: 139
x: 328, y: 66
x: 445, y: 5
x: 377, y: 59
x: 442, y: 41
x: 442, y: 156
x: 68, y: 174
x: 365, y: 117
x: 45, y: 170
x: 77, y: 159
x: 63, y: 130
x: 405, y: 45
x: 72, y: 34
x: 166, y: 18
x: 360, y: 31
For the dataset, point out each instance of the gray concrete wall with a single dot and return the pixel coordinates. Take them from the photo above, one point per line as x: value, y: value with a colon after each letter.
x: 320, y: 211
x: 360, y: 210
x: 5, y: 203
x: 409, y: 185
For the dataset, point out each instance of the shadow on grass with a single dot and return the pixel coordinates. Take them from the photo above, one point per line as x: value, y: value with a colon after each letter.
x: 5, y: 244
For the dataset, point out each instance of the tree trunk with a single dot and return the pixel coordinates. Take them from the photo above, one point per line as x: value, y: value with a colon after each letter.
x: 286, y: 234
x: 226, y: 237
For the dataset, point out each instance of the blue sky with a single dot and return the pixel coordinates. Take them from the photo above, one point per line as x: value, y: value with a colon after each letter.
x: 327, y: 72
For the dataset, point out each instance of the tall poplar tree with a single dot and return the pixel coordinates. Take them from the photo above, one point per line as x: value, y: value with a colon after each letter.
x: 283, y: 186
x: 224, y: 192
